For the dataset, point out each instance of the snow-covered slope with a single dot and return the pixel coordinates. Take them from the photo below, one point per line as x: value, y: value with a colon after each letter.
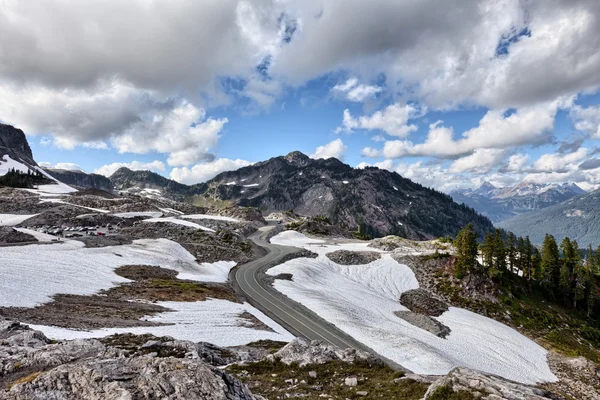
x: 361, y: 300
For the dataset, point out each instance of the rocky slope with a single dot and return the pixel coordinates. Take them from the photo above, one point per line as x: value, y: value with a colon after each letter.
x: 502, y: 203
x: 373, y: 201
x: 81, y: 179
x: 125, y: 179
x: 578, y: 218
x: 14, y: 143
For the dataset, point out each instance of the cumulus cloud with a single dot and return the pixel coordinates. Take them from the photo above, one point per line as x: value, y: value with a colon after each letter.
x: 206, y: 171
x: 517, y: 162
x: 392, y: 120
x: 480, y: 162
x: 109, y: 169
x: 496, y: 54
x: 61, y: 165
x: 336, y: 149
x: 587, y: 120
x: 557, y: 162
x: 385, y: 164
x: 370, y: 152
x: 497, y: 129
x: 354, y: 91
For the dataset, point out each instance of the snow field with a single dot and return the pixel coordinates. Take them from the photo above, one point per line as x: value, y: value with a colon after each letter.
x: 133, y: 214
x: 176, y: 221
x: 213, y: 320
x: 7, y: 163
x: 361, y: 300
x: 13, y: 219
x: 213, y: 217
x: 59, y: 201
x: 30, y: 275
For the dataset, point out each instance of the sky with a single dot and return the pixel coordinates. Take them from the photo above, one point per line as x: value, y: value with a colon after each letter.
x: 449, y: 94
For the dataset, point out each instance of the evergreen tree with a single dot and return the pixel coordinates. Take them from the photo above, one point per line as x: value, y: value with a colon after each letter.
x: 499, y: 255
x: 527, y: 270
x: 536, y: 262
x: 521, y: 255
x: 511, y: 251
x: 466, y: 250
x: 550, y: 265
x: 487, y: 250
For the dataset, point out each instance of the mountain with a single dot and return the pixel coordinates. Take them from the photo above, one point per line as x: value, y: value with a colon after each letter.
x: 13, y: 144
x: 377, y: 201
x: 502, y: 203
x: 578, y: 218
x: 81, y: 179
x: 153, y: 184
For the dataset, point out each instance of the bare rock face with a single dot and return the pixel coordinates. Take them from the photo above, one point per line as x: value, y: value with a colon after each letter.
x: 486, y: 387
x: 425, y: 322
x: 306, y: 352
x: 346, y: 257
x: 423, y: 302
x: 14, y: 143
x: 33, y: 367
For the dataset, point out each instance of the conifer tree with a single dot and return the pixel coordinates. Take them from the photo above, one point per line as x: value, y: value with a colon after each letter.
x: 536, y: 261
x: 466, y: 250
x: 511, y: 251
x: 550, y: 265
x: 527, y: 263
x: 487, y: 250
x: 499, y: 255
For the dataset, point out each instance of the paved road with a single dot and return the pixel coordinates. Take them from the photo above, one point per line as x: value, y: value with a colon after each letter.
x: 297, y: 319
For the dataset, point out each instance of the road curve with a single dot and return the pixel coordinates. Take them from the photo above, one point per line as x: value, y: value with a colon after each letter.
x: 297, y: 319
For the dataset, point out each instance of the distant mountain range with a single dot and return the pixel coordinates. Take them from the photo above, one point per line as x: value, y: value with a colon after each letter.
x: 502, y: 203
x: 578, y: 218
x: 373, y: 201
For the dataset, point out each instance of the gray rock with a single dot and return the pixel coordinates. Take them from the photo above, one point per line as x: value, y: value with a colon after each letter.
x: 346, y: 257
x: 305, y: 352
x: 425, y: 322
x: 351, y: 381
x: 487, y: 387
x: 423, y: 302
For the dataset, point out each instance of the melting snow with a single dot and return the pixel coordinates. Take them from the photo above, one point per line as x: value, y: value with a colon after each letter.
x: 173, y: 220
x: 345, y: 182
x: 230, y: 183
x: 133, y: 214
x: 7, y: 163
x: 13, y: 219
x: 206, y: 216
x: 361, y: 300
x: 74, y: 205
x: 395, y: 188
x: 69, y: 267
x: 251, y: 185
x: 215, y: 321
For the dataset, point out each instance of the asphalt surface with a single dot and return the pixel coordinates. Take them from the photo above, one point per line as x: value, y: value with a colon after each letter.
x: 295, y: 318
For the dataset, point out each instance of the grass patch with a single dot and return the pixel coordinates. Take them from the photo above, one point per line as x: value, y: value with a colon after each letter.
x: 446, y: 393
x: 268, y: 379
x: 25, y: 379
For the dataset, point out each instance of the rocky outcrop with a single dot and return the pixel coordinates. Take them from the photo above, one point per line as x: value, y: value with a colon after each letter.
x: 305, y: 352
x: 425, y: 322
x: 346, y: 257
x: 81, y: 179
x: 475, y: 385
x: 14, y: 143
x: 32, y: 367
x: 422, y: 302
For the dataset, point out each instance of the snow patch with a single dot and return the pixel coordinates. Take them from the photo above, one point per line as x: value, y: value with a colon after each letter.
x: 361, y: 300
x: 133, y: 214
x: 213, y: 320
x: 231, y: 183
x: 214, y: 217
x: 14, y: 219
x: 251, y: 185
x: 173, y: 220
x: 345, y: 182
x: 69, y: 267
x: 7, y: 163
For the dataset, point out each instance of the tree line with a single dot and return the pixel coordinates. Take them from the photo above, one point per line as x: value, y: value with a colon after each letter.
x: 566, y: 274
x: 19, y: 179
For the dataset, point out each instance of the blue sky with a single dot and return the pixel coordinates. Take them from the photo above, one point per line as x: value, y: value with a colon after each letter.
x: 447, y: 95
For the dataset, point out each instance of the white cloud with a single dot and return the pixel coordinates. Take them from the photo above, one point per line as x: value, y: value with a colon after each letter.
x: 587, y: 120
x: 480, y: 162
x: 556, y: 162
x: 385, y: 164
x: 516, y: 162
x: 109, y: 169
x: 206, y: 171
x: 61, y: 165
x: 525, y: 126
x: 353, y: 91
x: 393, y: 120
x: 370, y: 152
x: 335, y: 149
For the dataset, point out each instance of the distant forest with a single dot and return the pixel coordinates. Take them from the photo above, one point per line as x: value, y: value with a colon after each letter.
x: 18, y: 179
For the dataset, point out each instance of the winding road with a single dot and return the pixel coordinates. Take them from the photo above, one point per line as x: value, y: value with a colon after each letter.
x: 253, y: 283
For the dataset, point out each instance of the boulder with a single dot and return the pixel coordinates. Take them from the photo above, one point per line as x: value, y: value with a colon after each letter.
x: 305, y: 352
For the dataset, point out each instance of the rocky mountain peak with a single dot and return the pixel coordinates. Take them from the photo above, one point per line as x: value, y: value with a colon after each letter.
x: 297, y: 158
x: 14, y: 143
